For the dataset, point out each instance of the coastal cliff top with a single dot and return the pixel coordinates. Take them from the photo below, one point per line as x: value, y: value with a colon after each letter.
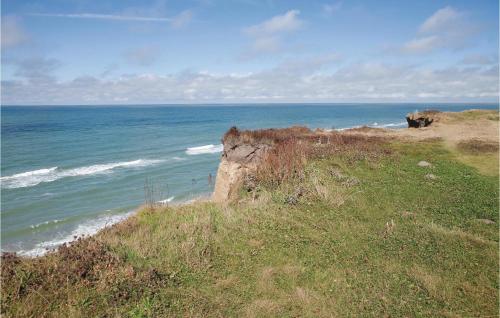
x: 452, y: 127
x: 375, y: 222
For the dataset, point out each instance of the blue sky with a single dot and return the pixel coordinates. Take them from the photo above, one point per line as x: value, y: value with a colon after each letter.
x: 209, y: 51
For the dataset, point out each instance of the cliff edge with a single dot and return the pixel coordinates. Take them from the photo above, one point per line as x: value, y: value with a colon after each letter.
x: 241, y: 155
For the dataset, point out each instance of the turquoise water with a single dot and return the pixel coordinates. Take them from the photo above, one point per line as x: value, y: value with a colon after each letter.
x: 68, y: 171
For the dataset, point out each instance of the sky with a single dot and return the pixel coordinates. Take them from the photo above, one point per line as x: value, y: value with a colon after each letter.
x: 77, y: 52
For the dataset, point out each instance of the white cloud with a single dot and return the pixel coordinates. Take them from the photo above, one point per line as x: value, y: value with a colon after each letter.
x: 182, y: 19
x: 267, y: 36
x: 293, y: 81
x: 422, y: 45
x: 103, y: 17
x: 440, y: 20
x: 277, y: 24
x: 12, y: 32
x: 447, y: 28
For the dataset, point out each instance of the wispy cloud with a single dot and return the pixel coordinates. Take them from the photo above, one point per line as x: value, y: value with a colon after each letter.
x: 267, y: 35
x: 277, y: 24
x: 421, y: 45
x: 446, y: 28
x: 441, y: 19
x: 97, y: 16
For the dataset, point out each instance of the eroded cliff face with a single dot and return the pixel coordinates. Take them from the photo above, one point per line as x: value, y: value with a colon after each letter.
x: 244, y: 151
x: 239, y: 158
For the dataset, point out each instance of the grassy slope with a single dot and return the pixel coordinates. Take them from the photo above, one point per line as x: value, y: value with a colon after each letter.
x: 395, y: 244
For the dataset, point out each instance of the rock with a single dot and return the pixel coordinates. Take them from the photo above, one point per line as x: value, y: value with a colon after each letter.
x: 291, y: 200
x: 244, y: 153
x: 249, y: 182
x: 336, y: 174
x: 389, y: 228
x: 423, y: 164
x: 294, y: 198
x: 430, y: 176
x: 418, y: 120
x: 345, y: 180
x: 229, y: 175
x: 485, y: 221
x: 350, y: 182
x: 238, y: 159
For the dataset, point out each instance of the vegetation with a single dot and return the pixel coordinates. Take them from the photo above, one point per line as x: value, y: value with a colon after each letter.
x: 353, y: 227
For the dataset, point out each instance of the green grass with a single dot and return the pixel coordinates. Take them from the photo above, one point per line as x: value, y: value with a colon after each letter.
x: 393, y: 244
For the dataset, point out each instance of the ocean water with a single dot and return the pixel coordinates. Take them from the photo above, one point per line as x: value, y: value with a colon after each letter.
x: 68, y: 171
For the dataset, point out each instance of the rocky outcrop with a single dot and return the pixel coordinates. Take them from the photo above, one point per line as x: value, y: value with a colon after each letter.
x: 419, y: 120
x: 240, y: 157
x: 229, y: 176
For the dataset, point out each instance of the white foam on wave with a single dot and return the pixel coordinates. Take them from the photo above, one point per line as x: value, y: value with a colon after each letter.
x: 166, y: 200
x: 32, y: 178
x: 204, y: 149
x: 400, y: 124
x: 88, y: 228
x: 374, y: 125
x: 346, y: 128
x: 45, y: 223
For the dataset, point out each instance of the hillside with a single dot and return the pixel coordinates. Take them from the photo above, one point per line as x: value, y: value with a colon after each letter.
x: 364, y: 222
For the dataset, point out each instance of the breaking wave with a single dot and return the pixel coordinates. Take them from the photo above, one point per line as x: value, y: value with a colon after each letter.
x: 88, y: 228
x: 32, y: 178
x: 400, y: 124
x: 374, y: 125
x: 34, y: 226
x: 204, y: 149
x: 166, y: 200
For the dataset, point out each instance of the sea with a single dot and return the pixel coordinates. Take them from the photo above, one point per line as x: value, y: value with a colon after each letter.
x: 68, y: 171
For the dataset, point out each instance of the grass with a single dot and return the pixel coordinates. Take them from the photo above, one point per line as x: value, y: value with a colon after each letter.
x: 479, y: 154
x: 358, y: 231
x: 471, y: 115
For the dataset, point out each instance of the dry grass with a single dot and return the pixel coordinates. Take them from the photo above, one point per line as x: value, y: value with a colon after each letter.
x: 477, y: 146
x: 480, y: 154
x: 264, y: 136
x: 87, y: 266
x: 294, y: 147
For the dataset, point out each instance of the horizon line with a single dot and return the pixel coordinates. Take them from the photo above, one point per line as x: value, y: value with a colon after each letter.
x: 245, y: 104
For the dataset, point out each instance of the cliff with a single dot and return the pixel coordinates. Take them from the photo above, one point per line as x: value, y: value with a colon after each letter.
x: 245, y: 150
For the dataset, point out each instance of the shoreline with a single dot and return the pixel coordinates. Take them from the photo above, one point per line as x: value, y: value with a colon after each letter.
x: 51, y: 246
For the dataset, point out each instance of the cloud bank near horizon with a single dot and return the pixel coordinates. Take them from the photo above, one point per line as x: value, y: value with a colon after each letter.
x: 287, y: 70
x: 300, y: 81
